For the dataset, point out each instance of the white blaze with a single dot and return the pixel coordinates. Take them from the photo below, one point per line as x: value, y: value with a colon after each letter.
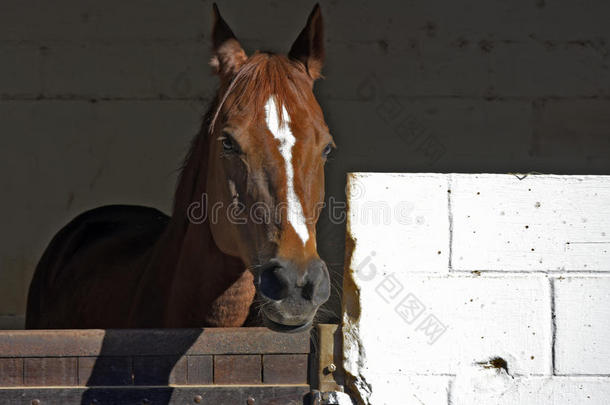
x: 282, y: 133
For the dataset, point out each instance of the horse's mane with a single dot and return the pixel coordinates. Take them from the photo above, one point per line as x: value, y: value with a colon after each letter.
x: 263, y: 75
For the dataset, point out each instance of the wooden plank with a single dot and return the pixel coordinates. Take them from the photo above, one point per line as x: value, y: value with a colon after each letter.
x: 149, y: 342
x: 540, y: 222
x: 328, y: 365
x: 159, y: 370
x: 205, y: 395
x: 105, y: 371
x: 237, y: 369
x: 200, y: 370
x: 50, y: 371
x: 285, y: 368
x: 11, y: 372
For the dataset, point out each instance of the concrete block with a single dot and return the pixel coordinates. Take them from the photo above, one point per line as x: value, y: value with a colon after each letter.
x: 20, y: 70
x: 402, y: 134
x: 472, y: 19
x: 563, y: 128
x: 131, y: 70
x: 536, y: 223
x: 582, y: 325
x: 398, y: 222
x: 403, y: 324
x: 549, y: 69
x: 393, y: 389
x: 73, y: 20
x: 497, y: 387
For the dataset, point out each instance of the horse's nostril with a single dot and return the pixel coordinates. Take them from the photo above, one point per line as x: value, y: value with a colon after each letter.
x: 307, y: 291
x: 280, y: 280
x: 274, y: 283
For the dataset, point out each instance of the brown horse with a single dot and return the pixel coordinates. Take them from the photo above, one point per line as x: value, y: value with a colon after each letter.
x: 261, y: 150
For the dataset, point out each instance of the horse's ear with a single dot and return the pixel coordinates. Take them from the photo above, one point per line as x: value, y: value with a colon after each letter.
x: 309, y: 46
x: 228, y: 53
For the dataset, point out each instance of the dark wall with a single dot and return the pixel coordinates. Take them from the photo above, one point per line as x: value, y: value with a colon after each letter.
x: 98, y: 100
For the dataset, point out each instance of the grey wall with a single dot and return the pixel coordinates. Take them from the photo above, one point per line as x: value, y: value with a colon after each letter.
x: 98, y: 100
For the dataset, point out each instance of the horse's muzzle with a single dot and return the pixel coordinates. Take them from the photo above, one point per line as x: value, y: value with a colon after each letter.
x: 292, y: 294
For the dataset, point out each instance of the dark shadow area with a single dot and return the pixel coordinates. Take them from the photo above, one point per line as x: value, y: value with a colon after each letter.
x: 136, y: 358
x: 206, y: 366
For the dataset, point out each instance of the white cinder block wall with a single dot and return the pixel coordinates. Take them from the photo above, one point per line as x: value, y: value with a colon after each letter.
x: 478, y: 289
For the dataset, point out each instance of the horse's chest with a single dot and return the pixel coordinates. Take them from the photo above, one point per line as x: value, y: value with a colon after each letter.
x: 231, y: 308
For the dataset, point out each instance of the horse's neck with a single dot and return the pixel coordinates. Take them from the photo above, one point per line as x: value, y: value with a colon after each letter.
x: 201, y: 286
x: 206, y: 287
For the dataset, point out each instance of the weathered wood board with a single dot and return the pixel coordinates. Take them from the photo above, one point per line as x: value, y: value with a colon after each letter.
x: 205, y: 395
x: 165, y: 366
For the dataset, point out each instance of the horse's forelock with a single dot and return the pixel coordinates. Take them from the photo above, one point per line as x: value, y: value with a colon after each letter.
x: 262, y: 76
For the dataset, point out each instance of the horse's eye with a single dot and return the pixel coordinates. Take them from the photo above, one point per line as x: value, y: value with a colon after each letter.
x: 228, y: 145
x: 327, y: 150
